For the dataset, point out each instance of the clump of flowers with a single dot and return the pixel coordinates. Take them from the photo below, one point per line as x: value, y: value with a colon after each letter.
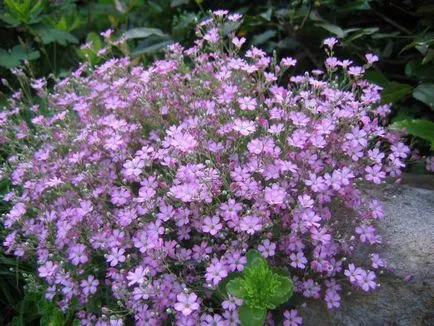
x: 140, y: 189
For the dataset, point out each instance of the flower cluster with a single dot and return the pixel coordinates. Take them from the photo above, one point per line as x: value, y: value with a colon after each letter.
x: 143, y: 188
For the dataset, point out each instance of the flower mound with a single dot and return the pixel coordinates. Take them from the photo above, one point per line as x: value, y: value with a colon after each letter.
x: 143, y: 188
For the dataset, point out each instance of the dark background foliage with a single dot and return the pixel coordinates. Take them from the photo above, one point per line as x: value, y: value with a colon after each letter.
x: 46, y: 37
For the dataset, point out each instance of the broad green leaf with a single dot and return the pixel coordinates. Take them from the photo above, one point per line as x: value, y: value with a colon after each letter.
x: 176, y: 3
x: 252, y: 256
x: 428, y: 57
x: 251, y: 316
x: 51, y: 35
x: 425, y: 94
x: 143, y: 32
x: 223, y: 283
x: 394, y: 92
x: 235, y: 287
x: 419, y: 127
x: 414, y: 68
x: 376, y: 77
x: 263, y: 37
x: 146, y: 48
x: 285, y: 291
x: 267, y: 14
x: 339, y: 32
x: 15, y: 56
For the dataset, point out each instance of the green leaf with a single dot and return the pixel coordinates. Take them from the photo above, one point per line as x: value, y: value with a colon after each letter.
x: 414, y: 68
x: 253, y: 256
x: 51, y: 35
x: 425, y: 94
x: 251, y: 316
x: 143, y: 32
x: 176, y: 3
x: 146, y: 48
x: 15, y: 56
x: 222, y: 287
x: 236, y: 287
x: 285, y: 291
x: 394, y: 92
x: 263, y: 37
x: 419, y: 127
x: 376, y: 77
x: 339, y: 32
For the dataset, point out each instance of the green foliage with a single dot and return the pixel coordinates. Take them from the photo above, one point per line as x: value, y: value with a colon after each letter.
x: 22, y: 12
x: 15, y: 56
x: 419, y: 127
x: 260, y: 288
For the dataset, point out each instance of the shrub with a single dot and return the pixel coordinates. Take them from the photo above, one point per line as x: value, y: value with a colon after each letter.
x: 142, y: 189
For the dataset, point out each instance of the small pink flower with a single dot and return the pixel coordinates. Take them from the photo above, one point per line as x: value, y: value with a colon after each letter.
x: 186, y: 303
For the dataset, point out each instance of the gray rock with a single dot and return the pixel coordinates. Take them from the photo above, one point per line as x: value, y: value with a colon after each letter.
x: 406, y: 294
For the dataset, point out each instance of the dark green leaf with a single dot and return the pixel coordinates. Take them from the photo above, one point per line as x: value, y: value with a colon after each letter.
x: 425, y: 94
x: 146, y: 48
x: 376, y: 77
x: 339, y: 32
x: 264, y: 37
x: 222, y: 285
x: 394, y: 92
x: 143, y: 32
x: 251, y: 316
x: 420, y: 128
x: 15, y: 56
x: 51, y: 35
x: 176, y: 3
x: 416, y: 69
x: 236, y: 287
x: 252, y: 256
x: 285, y: 291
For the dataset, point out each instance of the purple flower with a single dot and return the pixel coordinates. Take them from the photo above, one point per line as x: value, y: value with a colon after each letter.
x: 298, y: 260
x: 77, y: 254
x: 137, y: 276
x: 211, y: 225
x: 275, y: 195
x: 187, y: 303
x: 116, y: 256
x: 267, y: 248
x: 89, y: 285
x: 250, y: 224
x: 292, y: 318
x: 215, y: 272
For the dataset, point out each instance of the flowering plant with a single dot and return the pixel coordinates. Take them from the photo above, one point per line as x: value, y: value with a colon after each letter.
x: 260, y: 288
x: 141, y: 189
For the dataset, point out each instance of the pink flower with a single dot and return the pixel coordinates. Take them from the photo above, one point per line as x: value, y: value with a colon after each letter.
x: 89, y: 285
x: 238, y: 42
x: 292, y: 318
x: 374, y: 174
x: 275, y: 195
x: 330, y: 42
x: 215, y: 272
x: 247, y: 103
x: 116, y: 256
x: 366, y: 280
x: 288, y: 62
x: 298, y: 260
x: 186, y: 303
x: 250, y: 224
x: 267, y: 248
x: 138, y: 276
x: 211, y: 225
x: 77, y: 254
x: 371, y: 58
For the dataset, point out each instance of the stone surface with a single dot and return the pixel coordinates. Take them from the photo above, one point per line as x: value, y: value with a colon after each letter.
x: 406, y: 294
